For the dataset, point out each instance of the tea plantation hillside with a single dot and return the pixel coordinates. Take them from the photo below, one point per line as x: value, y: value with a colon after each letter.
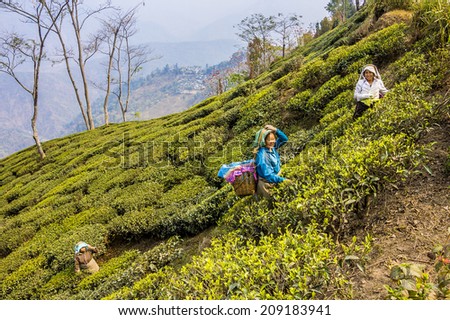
x: 148, y: 196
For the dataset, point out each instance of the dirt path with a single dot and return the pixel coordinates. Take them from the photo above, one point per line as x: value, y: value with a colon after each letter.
x: 407, y: 222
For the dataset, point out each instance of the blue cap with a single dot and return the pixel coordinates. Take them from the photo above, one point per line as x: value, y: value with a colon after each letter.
x: 80, y: 245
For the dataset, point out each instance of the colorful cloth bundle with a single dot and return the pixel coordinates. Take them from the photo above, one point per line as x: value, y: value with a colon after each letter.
x: 230, y: 171
x: 242, y: 175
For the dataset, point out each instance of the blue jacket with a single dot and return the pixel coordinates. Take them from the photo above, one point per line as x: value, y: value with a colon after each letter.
x: 268, y: 163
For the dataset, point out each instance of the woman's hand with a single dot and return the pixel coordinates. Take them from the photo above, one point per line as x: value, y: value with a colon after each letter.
x: 270, y: 127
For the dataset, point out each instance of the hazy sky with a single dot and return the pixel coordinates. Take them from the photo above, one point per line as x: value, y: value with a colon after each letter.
x: 184, y: 20
x: 196, y: 20
x: 174, y: 21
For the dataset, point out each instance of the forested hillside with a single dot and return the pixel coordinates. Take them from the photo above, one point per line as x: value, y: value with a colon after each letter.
x: 366, y: 217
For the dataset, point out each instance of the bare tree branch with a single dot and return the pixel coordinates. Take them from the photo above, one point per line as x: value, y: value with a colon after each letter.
x: 16, y: 50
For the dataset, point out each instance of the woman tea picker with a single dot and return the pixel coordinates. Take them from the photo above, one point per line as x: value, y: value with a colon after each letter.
x: 369, y: 89
x: 84, y: 257
x: 267, y: 161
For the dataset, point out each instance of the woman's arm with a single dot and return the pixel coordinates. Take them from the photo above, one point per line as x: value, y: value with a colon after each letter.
x: 281, y: 138
x: 382, y: 88
x: 93, y: 249
x: 77, y: 265
x: 360, y: 93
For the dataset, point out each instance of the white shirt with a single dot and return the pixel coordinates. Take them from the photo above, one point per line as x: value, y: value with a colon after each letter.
x: 364, y: 90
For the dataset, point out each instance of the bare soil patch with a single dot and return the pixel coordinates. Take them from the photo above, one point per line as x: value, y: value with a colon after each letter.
x: 408, y: 220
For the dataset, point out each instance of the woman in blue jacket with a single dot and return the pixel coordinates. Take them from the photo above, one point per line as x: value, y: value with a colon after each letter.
x: 267, y: 161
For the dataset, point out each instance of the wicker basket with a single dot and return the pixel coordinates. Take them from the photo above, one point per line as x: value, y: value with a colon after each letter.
x: 245, y: 184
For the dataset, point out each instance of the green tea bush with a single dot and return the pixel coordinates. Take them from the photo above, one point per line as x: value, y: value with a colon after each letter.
x: 279, y: 70
x: 274, y: 268
x: 334, y: 179
x: 341, y: 102
x: 413, y: 283
x: 150, y: 262
x: 137, y: 197
x: 354, y: 255
x: 402, y: 110
x: 329, y: 40
x: 25, y: 282
x: 437, y: 72
x: 298, y: 102
x: 96, y: 215
x: 152, y: 285
x: 12, y: 238
x: 15, y: 207
x: 112, y: 178
x: 357, y: 66
x: 109, y: 269
x: 311, y: 75
x: 254, y: 220
x: 59, y: 253
x: 243, y: 90
x: 200, y: 113
x: 22, y: 228
x: 341, y: 58
x: 57, y: 201
x: 72, y: 184
x: 61, y: 285
x: 191, y: 219
x: 209, y: 141
x: 185, y: 192
x: 328, y: 91
x: 197, y: 213
x: 383, y: 6
x: 260, y: 108
x: 333, y: 125
x: 170, y: 176
x: 232, y: 114
x: 411, y: 63
x: 432, y: 21
x: 297, y: 142
x: 135, y: 224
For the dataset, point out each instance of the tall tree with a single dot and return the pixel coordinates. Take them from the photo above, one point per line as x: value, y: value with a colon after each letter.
x: 341, y: 9
x: 110, y: 35
x: 128, y: 61
x: 286, y: 27
x: 78, y: 15
x: 254, y: 56
x: 255, y: 31
x: 325, y: 25
x: 115, y: 30
x: 17, y: 50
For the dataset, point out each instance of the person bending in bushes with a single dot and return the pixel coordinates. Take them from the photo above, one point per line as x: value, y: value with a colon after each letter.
x: 267, y: 160
x: 84, y: 257
x: 369, y: 89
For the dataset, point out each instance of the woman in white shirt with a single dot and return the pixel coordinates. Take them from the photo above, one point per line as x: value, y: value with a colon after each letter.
x: 369, y: 89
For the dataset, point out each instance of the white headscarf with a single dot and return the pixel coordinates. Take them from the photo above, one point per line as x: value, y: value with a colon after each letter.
x: 372, y: 68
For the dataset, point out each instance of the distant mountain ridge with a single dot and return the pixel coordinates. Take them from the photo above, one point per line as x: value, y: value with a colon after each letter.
x: 191, y: 53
